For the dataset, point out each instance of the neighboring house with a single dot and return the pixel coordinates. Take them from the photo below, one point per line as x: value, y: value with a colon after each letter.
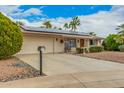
x: 55, y: 41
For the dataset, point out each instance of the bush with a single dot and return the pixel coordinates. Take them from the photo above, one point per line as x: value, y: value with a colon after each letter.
x: 10, y: 37
x: 121, y: 48
x: 78, y: 50
x: 110, y: 43
x: 93, y: 49
x: 82, y: 50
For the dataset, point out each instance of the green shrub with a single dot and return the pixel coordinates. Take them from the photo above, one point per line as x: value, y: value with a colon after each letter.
x: 82, y: 50
x: 78, y: 50
x: 93, y: 49
x: 10, y: 37
x: 121, y: 48
x: 110, y: 43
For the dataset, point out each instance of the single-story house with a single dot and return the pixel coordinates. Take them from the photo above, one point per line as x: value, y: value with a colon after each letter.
x: 55, y: 41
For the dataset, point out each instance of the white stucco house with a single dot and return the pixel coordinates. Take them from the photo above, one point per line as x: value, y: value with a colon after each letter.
x: 55, y: 41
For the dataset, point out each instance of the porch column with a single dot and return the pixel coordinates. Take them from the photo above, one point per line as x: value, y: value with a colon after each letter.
x: 99, y: 42
x: 86, y: 42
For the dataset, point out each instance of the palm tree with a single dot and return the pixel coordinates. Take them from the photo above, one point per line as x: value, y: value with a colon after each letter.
x: 20, y: 23
x: 74, y: 23
x: 66, y: 26
x: 60, y: 28
x: 92, y: 33
x: 47, y: 24
x: 120, y: 37
x: 121, y: 30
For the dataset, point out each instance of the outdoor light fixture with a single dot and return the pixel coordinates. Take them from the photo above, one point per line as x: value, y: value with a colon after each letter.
x: 41, y: 49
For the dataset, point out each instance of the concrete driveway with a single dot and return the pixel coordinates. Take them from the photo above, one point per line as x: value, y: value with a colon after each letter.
x: 66, y: 63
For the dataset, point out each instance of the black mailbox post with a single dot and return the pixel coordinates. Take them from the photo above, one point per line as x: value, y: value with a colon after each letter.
x: 41, y: 49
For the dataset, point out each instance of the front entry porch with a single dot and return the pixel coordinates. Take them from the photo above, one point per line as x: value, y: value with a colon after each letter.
x: 71, y: 44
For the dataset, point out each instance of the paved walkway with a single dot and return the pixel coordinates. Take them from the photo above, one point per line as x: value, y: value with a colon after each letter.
x: 65, y: 64
x: 103, y: 79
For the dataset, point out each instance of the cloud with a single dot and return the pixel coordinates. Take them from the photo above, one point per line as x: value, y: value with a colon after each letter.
x: 102, y: 22
x: 16, y: 12
x: 29, y: 12
x: 9, y: 9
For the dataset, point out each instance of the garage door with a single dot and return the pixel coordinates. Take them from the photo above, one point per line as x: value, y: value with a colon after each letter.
x: 31, y: 42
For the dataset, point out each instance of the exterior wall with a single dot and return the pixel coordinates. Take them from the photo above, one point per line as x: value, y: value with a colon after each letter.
x: 52, y: 43
x: 78, y: 42
x: 58, y: 46
x: 99, y: 42
x: 32, y: 41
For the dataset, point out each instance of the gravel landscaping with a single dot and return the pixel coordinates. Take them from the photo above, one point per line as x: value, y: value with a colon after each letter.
x: 107, y: 55
x: 14, y: 69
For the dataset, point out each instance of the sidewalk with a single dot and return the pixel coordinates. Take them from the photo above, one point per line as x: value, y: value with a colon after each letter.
x: 101, y: 79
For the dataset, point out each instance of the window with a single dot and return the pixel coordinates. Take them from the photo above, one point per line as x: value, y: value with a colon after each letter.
x: 91, y: 42
x: 72, y: 43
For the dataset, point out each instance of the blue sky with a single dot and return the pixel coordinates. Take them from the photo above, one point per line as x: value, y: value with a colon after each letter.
x: 55, y: 11
x: 101, y: 19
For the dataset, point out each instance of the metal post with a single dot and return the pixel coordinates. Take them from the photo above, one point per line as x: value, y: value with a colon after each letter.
x: 41, y: 60
x: 41, y: 49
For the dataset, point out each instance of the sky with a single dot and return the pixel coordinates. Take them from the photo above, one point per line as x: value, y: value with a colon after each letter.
x: 101, y: 19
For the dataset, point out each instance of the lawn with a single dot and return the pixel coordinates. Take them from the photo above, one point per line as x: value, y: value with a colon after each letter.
x: 107, y: 55
x: 13, y: 69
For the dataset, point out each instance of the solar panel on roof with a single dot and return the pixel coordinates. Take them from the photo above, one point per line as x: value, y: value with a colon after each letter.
x: 38, y: 29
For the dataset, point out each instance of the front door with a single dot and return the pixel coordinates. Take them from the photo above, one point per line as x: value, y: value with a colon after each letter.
x: 81, y: 42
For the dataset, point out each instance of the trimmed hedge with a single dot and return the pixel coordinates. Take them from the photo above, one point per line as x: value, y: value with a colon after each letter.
x: 121, y: 48
x: 10, y: 37
x: 81, y: 50
x: 78, y: 50
x: 93, y: 49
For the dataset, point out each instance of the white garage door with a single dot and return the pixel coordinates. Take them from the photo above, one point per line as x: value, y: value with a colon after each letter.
x: 31, y: 43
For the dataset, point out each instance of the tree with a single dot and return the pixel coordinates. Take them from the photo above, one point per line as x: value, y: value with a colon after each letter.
x: 60, y: 28
x: 74, y: 23
x: 110, y: 43
x: 92, y: 33
x: 120, y: 37
x: 121, y: 30
x: 47, y: 24
x: 66, y: 26
x: 20, y: 23
x: 10, y: 37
